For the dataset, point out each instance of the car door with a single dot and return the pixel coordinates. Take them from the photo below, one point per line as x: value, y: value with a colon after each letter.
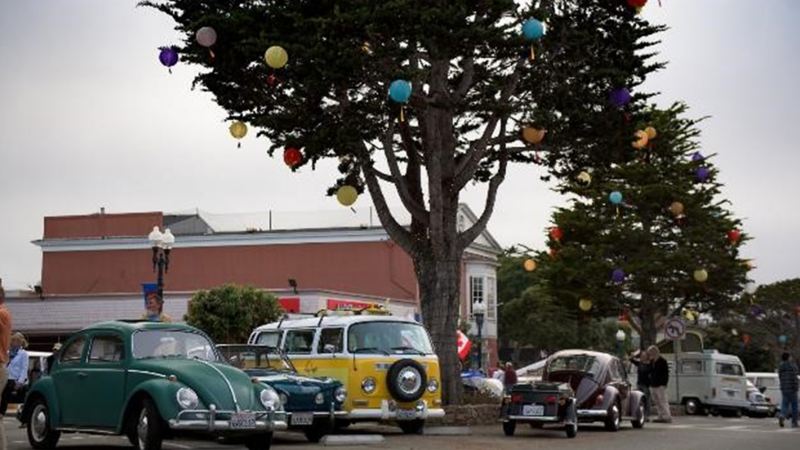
x: 105, y: 379
x: 620, y: 381
x: 68, y: 379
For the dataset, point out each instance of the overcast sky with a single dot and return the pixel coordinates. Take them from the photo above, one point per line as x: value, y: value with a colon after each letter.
x: 89, y: 118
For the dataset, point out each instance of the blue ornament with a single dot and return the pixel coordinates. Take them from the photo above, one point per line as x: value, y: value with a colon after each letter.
x: 533, y: 30
x: 168, y: 56
x: 619, y: 97
x: 697, y: 157
x: 618, y: 275
x: 615, y: 197
x: 400, y: 91
x: 702, y: 174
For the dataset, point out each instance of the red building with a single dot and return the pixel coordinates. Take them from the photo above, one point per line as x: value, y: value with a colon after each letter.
x: 93, y: 267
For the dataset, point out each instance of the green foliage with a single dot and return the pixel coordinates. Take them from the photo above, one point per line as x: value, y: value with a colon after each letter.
x: 758, y: 355
x: 229, y: 313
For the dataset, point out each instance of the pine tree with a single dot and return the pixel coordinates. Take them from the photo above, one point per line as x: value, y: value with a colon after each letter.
x: 476, y: 80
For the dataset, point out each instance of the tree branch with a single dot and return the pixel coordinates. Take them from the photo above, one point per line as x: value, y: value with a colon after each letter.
x: 468, y: 66
x: 416, y: 209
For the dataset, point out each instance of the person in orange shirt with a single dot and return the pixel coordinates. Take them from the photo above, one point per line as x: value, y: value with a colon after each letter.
x: 5, y: 341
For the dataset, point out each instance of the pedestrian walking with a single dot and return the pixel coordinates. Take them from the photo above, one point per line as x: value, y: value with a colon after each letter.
x: 659, y: 378
x: 510, y: 377
x: 5, y: 342
x: 643, y: 369
x: 787, y: 375
x: 17, y: 370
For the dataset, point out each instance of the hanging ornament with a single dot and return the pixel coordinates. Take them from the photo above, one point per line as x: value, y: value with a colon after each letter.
x: 641, y: 140
x: 702, y: 174
x: 620, y: 97
x: 782, y: 339
x: 347, y: 195
x: 734, y: 235
x: 532, y: 30
x: 533, y: 135
x: 168, y: 56
x: 238, y: 130
x: 206, y: 37
x: 585, y: 304
x: 276, y: 57
x: 529, y: 265
x: 556, y: 234
x: 749, y: 264
x: 584, y: 179
x: 366, y: 48
x: 618, y: 275
x: 615, y: 197
x: 637, y: 3
x: 734, y: 331
x: 697, y: 157
x: 651, y: 133
x: 292, y: 156
x: 400, y: 91
x: 750, y: 288
x: 746, y: 339
x: 700, y: 275
x: 676, y: 208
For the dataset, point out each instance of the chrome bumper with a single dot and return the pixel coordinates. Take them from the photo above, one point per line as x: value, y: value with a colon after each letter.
x: 592, y: 413
x: 389, y: 411
x: 543, y: 419
x: 208, y: 420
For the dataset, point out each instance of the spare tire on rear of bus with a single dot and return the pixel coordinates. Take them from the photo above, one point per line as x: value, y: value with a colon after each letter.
x: 406, y: 380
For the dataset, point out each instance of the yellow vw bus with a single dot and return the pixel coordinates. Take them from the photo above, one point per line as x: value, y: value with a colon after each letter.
x: 387, y: 364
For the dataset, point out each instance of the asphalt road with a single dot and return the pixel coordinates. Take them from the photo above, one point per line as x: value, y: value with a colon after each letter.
x: 685, y: 433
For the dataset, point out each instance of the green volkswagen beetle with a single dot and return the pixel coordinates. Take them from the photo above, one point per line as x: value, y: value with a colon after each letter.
x: 148, y: 381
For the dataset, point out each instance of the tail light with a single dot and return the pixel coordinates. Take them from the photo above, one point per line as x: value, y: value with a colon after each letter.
x: 599, y: 400
x: 550, y: 399
x: 516, y: 398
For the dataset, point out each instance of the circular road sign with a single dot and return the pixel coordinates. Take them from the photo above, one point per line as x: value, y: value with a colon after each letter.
x: 675, y: 329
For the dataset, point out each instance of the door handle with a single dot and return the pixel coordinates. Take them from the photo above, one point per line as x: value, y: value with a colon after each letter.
x: 82, y: 375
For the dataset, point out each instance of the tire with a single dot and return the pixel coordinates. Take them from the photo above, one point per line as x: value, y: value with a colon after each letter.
x: 406, y: 368
x: 259, y: 442
x: 691, y: 407
x: 40, y: 435
x: 613, y: 420
x: 147, y: 427
x: 571, y: 429
x: 638, y: 423
x: 412, y: 426
x: 509, y: 427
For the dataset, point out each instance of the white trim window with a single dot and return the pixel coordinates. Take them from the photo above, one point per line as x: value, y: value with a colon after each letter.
x: 491, y: 298
x: 476, y: 291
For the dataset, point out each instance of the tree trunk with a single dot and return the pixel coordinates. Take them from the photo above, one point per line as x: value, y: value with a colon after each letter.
x: 649, y: 331
x: 439, y: 299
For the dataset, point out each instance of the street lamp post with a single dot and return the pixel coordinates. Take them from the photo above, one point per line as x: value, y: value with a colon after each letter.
x: 162, y: 245
x: 478, y: 311
x: 620, y: 336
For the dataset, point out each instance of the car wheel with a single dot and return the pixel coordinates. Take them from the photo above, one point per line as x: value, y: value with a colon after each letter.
x: 613, y: 420
x: 571, y: 429
x: 147, y: 427
x: 638, y: 420
x: 691, y: 407
x: 412, y: 426
x: 509, y: 427
x: 259, y: 442
x: 40, y: 435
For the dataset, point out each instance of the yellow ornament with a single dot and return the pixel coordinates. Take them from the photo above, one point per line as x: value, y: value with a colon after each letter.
x: 585, y: 304
x: 276, y: 57
x: 238, y: 129
x: 347, y: 195
x: 700, y: 275
x: 676, y: 208
x: 533, y: 135
x: 584, y: 178
x: 529, y: 265
x: 651, y: 133
x: 641, y: 140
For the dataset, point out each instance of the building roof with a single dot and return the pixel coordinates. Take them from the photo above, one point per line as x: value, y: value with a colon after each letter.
x: 129, y: 326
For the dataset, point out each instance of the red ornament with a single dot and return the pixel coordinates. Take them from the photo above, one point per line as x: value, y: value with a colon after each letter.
x: 734, y: 235
x: 746, y: 339
x: 292, y: 156
x: 637, y: 3
x: 556, y: 234
x: 272, y: 80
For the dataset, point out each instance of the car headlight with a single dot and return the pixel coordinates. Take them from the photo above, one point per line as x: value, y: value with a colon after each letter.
x: 187, y: 398
x: 270, y: 400
x: 340, y: 394
x: 368, y: 385
x: 433, y: 386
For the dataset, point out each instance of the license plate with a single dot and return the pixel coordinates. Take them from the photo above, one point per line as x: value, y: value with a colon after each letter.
x: 243, y: 421
x: 406, y: 414
x: 532, y: 410
x: 302, y: 418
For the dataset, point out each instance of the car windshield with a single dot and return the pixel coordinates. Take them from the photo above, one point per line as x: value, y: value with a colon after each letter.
x: 256, y: 358
x: 173, y: 344
x: 574, y: 363
x: 388, y: 338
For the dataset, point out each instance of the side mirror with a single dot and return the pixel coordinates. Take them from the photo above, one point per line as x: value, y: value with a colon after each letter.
x: 329, y: 348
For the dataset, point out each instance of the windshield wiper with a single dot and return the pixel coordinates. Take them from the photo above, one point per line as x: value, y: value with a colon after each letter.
x: 371, y: 349
x: 413, y: 349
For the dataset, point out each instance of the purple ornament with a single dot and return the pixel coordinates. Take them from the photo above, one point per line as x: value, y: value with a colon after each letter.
x: 618, y: 275
x: 619, y: 97
x: 168, y: 56
x: 697, y: 156
x: 702, y: 174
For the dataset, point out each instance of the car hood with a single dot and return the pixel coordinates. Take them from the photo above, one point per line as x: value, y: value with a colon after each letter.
x: 213, y: 382
x: 292, y: 381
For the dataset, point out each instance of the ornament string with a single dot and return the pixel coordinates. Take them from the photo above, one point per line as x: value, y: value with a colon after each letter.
x: 402, y: 113
x: 533, y: 54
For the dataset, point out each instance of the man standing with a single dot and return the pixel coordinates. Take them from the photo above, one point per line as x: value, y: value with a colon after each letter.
x: 787, y: 374
x: 659, y: 378
x: 5, y: 341
x: 643, y: 366
x: 510, y: 377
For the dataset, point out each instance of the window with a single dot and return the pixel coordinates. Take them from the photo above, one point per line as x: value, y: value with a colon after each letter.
x: 298, y: 341
x: 173, y: 344
x: 615, y: 371
x: 691, y: 367
x: 729, y: 369
x: 491, y: 297
x: 271, y: 338
x: 73, y: 351
x: 106, y: 349
x: 475, y: 291
x: 388, y: 338
x: 333, y: 337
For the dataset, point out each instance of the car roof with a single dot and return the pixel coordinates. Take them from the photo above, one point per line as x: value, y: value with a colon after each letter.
x: 332, y: 321
x: 762, y: 374
x: 129, y: 326
x: 602, y: 357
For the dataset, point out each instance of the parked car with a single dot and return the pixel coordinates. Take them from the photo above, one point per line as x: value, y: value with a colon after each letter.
x: 708, y: 382
x: 603, y: 392
x: 539, y: 404
x: 768, y: 384
x: 311, y: 404
x: 759, y: 404
x: 148, y: 381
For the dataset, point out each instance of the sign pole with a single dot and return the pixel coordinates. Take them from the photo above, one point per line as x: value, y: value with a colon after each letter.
x: 675, y: 330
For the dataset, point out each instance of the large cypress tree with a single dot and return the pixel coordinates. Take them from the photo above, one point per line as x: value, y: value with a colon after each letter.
x: 474, y: 84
